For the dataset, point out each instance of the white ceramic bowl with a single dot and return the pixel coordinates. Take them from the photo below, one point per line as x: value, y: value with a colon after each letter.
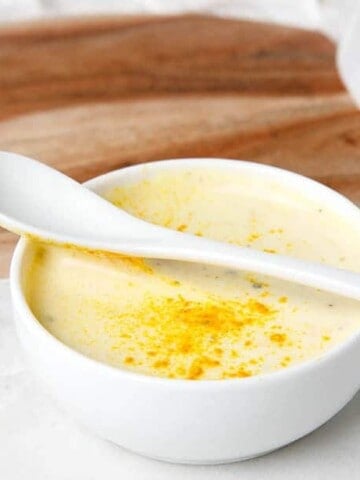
x: 185, y: 421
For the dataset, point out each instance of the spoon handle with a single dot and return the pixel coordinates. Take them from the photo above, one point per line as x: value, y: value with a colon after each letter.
x: 185, y: 247
x: 37, y: 200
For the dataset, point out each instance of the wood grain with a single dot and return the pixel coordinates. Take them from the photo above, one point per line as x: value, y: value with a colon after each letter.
x: 91, y: 95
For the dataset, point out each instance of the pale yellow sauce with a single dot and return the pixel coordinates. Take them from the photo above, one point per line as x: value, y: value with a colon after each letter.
x: 181, y: 320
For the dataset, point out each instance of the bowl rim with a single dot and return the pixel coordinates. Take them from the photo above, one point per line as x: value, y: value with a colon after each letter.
x: 33, y: 324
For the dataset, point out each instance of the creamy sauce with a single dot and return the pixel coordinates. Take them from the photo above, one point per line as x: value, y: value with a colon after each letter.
x: 182, y: 320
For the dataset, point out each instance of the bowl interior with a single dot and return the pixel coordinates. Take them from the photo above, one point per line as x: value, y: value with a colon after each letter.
x: 311, y: 189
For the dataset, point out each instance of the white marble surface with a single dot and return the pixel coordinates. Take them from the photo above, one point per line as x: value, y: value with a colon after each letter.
x: 39, y: 442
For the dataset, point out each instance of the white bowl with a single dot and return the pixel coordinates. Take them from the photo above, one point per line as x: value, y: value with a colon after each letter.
x: 184, y: 421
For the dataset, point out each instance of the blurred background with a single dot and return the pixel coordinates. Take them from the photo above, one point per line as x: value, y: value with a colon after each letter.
x: 91, y: 86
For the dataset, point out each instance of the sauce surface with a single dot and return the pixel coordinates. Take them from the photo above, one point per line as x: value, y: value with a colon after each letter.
x: 193, y: 321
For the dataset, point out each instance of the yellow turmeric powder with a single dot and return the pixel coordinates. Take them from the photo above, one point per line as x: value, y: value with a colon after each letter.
x: 182, y: 333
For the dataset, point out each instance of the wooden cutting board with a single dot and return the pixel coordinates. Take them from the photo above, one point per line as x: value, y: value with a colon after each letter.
x: 91, y: 95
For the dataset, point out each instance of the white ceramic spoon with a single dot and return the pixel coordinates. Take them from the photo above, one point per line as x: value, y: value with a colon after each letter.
x: 38, y: 200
